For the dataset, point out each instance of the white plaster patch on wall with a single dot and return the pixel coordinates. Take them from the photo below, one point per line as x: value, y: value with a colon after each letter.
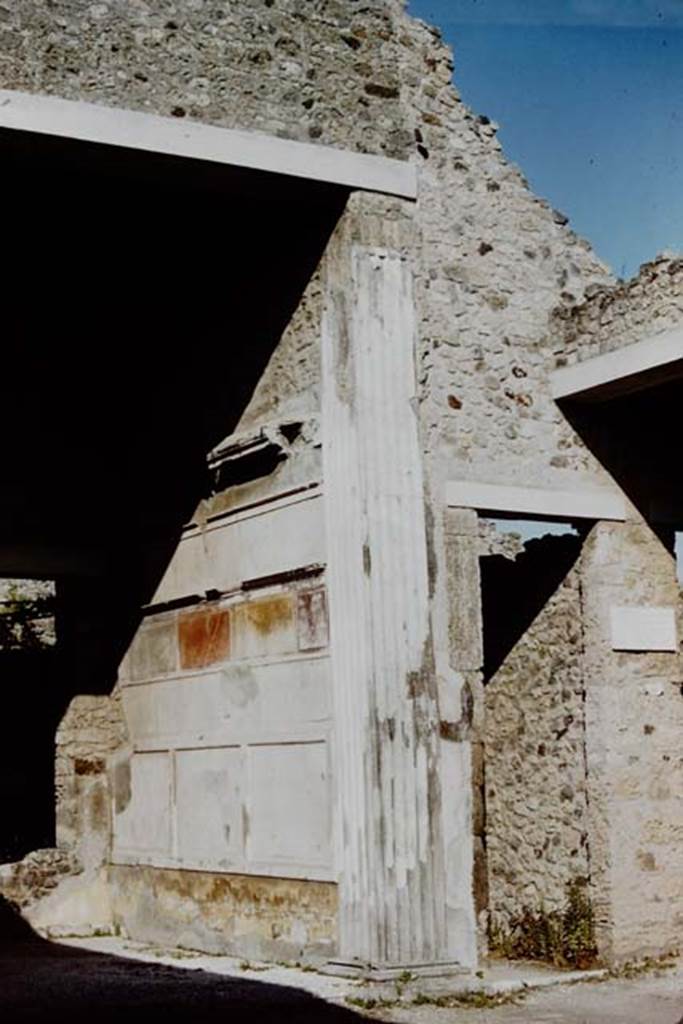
x: 643, y: 629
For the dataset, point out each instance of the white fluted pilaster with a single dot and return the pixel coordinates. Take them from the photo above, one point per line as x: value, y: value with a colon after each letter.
x: 392, y: 885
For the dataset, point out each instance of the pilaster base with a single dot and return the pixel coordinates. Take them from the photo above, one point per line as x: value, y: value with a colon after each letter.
x: 401, y: 973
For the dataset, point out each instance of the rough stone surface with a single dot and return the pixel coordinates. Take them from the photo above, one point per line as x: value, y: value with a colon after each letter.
x: 37, y: 875
x: 289, y: 389
x: 373, y: 80
x: 630, y: 311
x: 634, y: 717
x: 536, y: 791
x: 92, y: 729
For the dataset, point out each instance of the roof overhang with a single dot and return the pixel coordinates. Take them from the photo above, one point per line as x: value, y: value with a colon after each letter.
x: 635, y: 367
x: 178, y: 137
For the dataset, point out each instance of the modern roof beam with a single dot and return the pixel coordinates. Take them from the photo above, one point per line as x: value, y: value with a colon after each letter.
x: 644, y: 364
x: 566, y: 504
x: 170, y: 136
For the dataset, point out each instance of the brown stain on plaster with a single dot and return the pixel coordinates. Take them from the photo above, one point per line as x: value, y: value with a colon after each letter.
x: 226, y: 909
x: 313, y: 630
x: 343, y: 356
x: 271, y: 614
x: 204, y: 637
x: 98, y: 808
x: 646, y: 860
x: 121, y: 785
x: 367, y: 559
x: 432, y: 560
x: 88, y: 766
x: 461, y: 730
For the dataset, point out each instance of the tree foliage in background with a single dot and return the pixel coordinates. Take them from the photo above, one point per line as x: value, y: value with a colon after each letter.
x: 26, y: 616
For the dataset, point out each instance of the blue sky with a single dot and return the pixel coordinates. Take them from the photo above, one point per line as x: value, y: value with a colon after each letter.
x: 589, y: 97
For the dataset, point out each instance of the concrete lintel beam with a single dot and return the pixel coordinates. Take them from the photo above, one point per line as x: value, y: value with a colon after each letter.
x: 631, y: 368
x: 598, y: 503
x: 150, y: 133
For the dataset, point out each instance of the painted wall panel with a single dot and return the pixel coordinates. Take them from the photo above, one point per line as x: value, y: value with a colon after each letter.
x: 241, y: 701
x: 244, y: 547
x: 209, y: 808
x: 144, y: 826
x: 264, y: 627
x: 289, y: 805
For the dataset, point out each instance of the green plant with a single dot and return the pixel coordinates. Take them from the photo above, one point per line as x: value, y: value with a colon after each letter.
x: 563, y: 937
x: 370, y: 1004
x: 469, y: 1000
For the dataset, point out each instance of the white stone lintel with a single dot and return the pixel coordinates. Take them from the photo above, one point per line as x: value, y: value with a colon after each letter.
x: 170, y: 136
x: 599, y: 503
x: 625, y: 369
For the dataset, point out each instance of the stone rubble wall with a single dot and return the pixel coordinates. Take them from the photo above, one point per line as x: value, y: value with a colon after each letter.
x: 63, y: 891
x: 649, y: 303
x: 37, y: 875
x: 289, y: 388
x: 491, y: 259
x: 91, y: 730
x: 311, y: 70
x: 536, y: 790
x: 634, y: 722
